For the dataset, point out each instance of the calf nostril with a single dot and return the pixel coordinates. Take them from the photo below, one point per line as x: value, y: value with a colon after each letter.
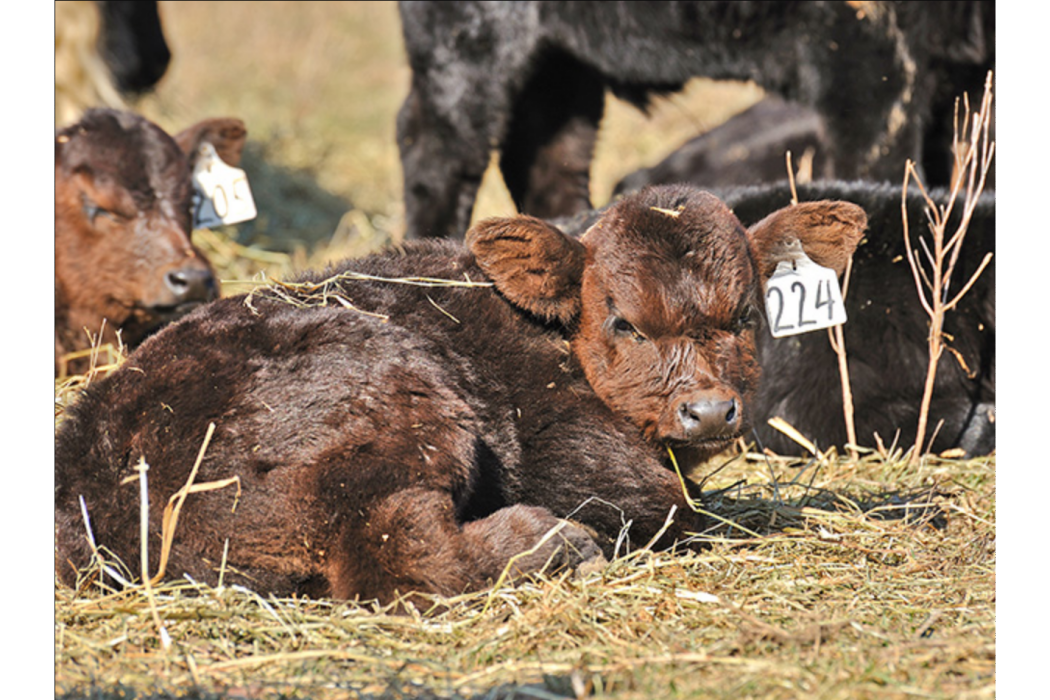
x: 191, y: 284
x: 709, y: 418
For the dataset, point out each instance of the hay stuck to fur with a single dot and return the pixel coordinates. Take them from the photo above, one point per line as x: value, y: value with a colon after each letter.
x: 850, y: 591
x: 335, y: 290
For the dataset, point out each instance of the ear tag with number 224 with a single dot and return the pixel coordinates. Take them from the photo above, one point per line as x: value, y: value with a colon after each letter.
x: 803, y: 296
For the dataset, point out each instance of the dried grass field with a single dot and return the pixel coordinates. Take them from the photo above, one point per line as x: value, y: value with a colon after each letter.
x: 829, y: 577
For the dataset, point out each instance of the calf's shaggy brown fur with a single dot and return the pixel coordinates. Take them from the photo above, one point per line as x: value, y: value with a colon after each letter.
x: 429, y: 443
x: 123, y: 198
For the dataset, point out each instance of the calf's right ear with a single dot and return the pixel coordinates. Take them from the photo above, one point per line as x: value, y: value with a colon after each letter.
x: 828, y: 232
x: 534, y: 265
x: 226, y: 134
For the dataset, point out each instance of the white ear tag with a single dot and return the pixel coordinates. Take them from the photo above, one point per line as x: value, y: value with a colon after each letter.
x: 802, y: 296
x: 220, y: 192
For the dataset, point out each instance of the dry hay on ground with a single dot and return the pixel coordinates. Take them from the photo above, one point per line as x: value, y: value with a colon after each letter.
x: 845, y: 589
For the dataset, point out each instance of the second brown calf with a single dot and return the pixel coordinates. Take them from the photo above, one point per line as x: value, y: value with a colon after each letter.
x: 124, y: 261
x: 442, y: 436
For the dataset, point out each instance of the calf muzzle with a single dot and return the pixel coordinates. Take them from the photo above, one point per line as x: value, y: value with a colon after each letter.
x: 710, y: 417
x: 191, y: 285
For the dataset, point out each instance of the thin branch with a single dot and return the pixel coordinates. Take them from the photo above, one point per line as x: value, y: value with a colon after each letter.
x: 943, y: 258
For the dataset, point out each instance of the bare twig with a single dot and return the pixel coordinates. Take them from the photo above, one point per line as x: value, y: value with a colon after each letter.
x: 791, y: 179
x: 837, y: 339
x: 972, y: 162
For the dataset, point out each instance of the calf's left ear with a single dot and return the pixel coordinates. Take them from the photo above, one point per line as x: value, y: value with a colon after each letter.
x: 827, y: 231
x: 534, y: 265
x: 226, y: 134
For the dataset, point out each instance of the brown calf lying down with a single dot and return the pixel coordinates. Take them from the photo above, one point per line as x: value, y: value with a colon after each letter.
x: 398, y: 437
x: 123, y: 198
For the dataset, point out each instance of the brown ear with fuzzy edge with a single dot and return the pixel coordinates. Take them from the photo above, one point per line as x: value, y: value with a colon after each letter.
x: 828, y: 231
x: 227, y: 134
x: 534, y: 265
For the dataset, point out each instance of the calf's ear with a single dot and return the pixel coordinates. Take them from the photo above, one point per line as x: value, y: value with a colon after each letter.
x: 226, y: 134
x: 827, y: 231
x: 534, y: 265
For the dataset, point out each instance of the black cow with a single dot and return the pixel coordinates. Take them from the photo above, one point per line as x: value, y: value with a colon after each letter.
x: 529, y: 79
x: 131, y: 43
x: 886, y: 334
x: 747, y: 149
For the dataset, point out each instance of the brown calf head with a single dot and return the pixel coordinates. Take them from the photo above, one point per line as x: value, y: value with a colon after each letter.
x: 660, y: 299
x: 123, y: 198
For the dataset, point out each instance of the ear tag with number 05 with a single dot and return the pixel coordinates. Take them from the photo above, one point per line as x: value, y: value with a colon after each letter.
x: 803, y: 296
x: 220, y: 192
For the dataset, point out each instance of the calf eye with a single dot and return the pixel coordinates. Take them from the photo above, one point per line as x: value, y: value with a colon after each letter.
x: 93, y: 211
x: 622, y: 326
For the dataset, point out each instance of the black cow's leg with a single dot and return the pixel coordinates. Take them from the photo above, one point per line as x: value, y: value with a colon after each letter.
x: 442, y: 171
x: 546, y: 155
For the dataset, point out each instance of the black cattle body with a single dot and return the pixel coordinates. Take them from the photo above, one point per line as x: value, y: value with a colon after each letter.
x: 529, y: 80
